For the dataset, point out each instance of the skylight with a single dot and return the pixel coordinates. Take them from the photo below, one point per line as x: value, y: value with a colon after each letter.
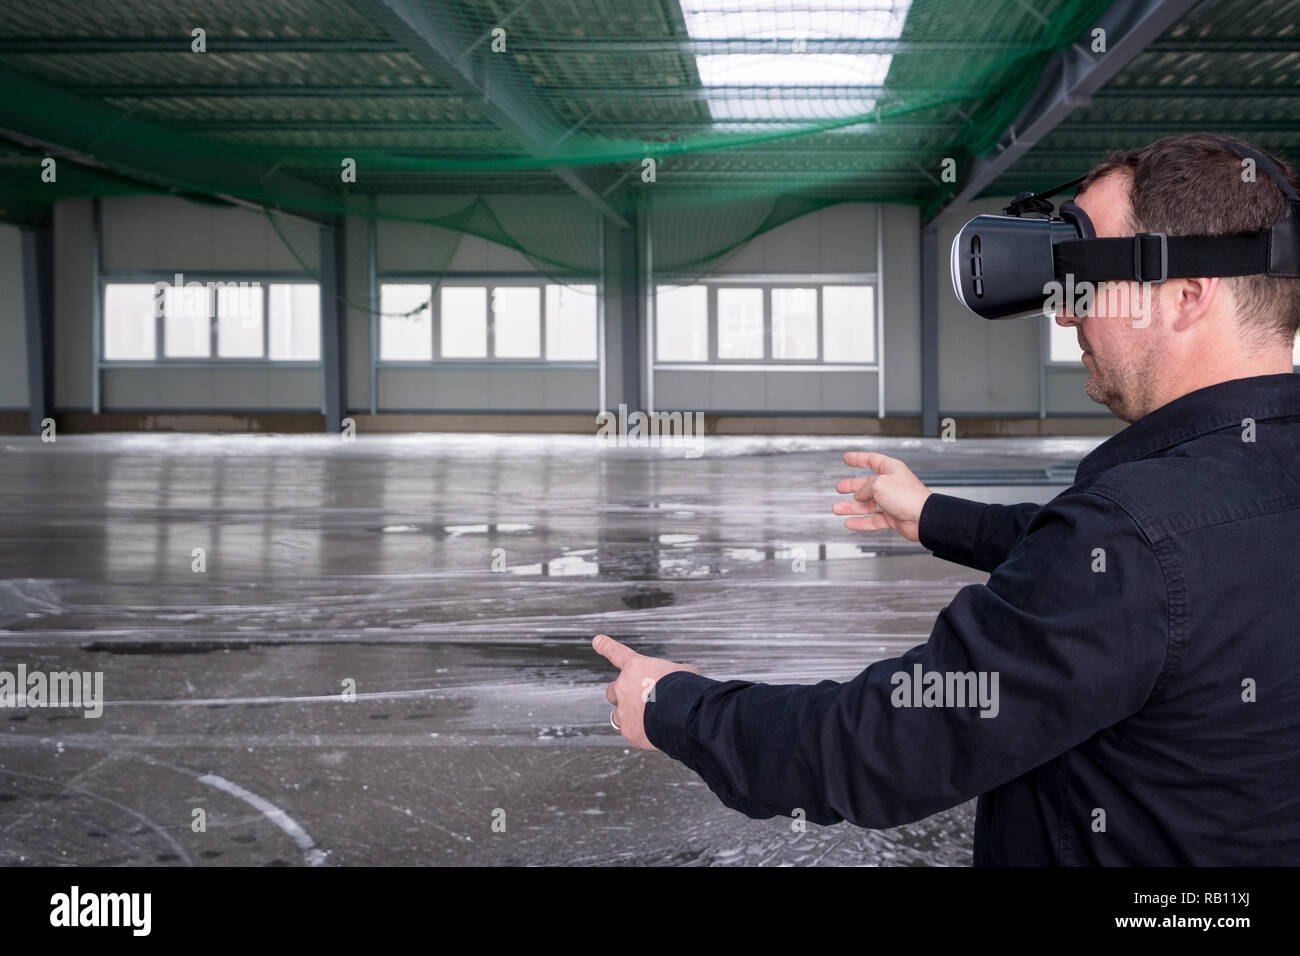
x: 795, y: 62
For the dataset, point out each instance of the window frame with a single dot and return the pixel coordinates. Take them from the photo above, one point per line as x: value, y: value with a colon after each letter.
x: 162, y: 360
x: 488, y: 282
x: 767, y: 283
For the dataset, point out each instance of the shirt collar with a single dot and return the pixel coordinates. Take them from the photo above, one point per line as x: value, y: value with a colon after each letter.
x: 1197, y: 413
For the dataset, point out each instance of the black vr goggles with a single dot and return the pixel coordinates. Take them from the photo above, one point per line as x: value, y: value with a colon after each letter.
x: 1002, y: 265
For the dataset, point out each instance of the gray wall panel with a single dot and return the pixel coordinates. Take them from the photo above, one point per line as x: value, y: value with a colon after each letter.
x: 239, y: 388
x: 514, y: 388
x: 131, y: 388
x: 570, y: 389
x: 839, y: 238
x: 13, y: 321
x: 294, y: 388
x: 685, y: 391
x: 728, y: 390
x: 460, y: 388
x: 902, y: 310
x: 194, y: 389
x: 792, y: 390
x: 402, y: 389
x: 74, y: 351
x: 155, y: 232
x: 852, y: 392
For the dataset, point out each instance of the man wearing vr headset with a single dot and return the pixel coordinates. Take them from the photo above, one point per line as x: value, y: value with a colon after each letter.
x: 1141, y: 626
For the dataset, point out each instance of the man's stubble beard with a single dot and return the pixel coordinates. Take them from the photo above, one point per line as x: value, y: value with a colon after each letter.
x: 1124, y: 383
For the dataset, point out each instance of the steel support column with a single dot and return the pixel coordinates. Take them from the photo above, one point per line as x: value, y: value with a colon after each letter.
x: 333, y: 318
x: 930, y: 331
x: 38, y: 301
x: 629, y: 291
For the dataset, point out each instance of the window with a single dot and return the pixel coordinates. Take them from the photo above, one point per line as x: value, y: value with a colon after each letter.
x: 239, y: 321
x: 794, y: 323
x: 740, y: 323
x: 211, y: 320
x: 517, y: 322
x: 571, y: 323
x: 682, y: 323
x: 751, y: 321
x: 848, y: 323
x: 187, y: 323
x: 464, y: 322
x: 129, y: 323
x: 405, y: 322
x: 514, y: 321
x: 295, y: 321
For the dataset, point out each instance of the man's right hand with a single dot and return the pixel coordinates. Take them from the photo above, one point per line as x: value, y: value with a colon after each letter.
x: 891, y: 498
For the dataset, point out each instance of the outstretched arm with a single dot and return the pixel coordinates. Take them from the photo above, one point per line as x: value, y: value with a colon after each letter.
x: 1055, y: 651
x: 971, y: 533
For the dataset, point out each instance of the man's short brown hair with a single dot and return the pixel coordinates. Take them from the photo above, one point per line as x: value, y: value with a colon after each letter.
x: 1194, y: 185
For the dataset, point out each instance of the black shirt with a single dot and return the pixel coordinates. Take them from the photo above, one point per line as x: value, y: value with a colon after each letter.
x: 1137, y: 646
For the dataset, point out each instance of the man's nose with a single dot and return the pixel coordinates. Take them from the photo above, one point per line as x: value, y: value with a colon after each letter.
x: 1064, y: 319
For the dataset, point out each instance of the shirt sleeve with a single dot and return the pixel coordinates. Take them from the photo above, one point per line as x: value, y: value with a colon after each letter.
x: 972, y: 533
x: 1069, y: 636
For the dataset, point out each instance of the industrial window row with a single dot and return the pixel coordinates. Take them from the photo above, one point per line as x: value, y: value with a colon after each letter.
x: 217, y: 319
x: 739, y: 323
x: 507, y: 320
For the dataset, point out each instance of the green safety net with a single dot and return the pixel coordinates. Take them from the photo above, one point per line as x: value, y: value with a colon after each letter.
x: 524, y: 122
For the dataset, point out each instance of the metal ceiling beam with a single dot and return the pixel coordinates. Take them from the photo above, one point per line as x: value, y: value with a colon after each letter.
x: 436, y: 126
x: 605, y: 94
x: 685, y: 46
x: 447, y: 50
x: 795, y: 179
x: 1196, y: 91
x: 180, y: 43
x: 1241, y: 46
x: 1045, y: 162
x: 158, y: 91
x: 34, y: 115
x: 1156, y: 126
x: 906, y: 152
x: 699, y: 46
x: 1069, y: 80
x: 637, y: 93
x: 1068, y: 155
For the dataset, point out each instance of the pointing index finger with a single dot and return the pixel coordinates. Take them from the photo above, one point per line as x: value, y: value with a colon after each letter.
x: 620, y: 655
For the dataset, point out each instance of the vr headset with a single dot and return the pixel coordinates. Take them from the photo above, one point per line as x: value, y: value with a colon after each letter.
x: 1002, y: 265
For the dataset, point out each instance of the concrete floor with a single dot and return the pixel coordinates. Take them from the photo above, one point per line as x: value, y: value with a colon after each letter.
x: 476, y: 690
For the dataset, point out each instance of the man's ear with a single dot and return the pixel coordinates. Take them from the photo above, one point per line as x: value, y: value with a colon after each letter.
x: 1190, y: 301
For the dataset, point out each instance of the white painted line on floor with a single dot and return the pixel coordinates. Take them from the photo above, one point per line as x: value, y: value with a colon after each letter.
x: 311, y: 853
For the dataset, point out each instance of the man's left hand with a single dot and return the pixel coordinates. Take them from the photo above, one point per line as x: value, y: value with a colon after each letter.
x: 634, y: 686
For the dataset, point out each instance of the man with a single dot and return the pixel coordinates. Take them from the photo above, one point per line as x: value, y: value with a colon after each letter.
x: 1141, y: 630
